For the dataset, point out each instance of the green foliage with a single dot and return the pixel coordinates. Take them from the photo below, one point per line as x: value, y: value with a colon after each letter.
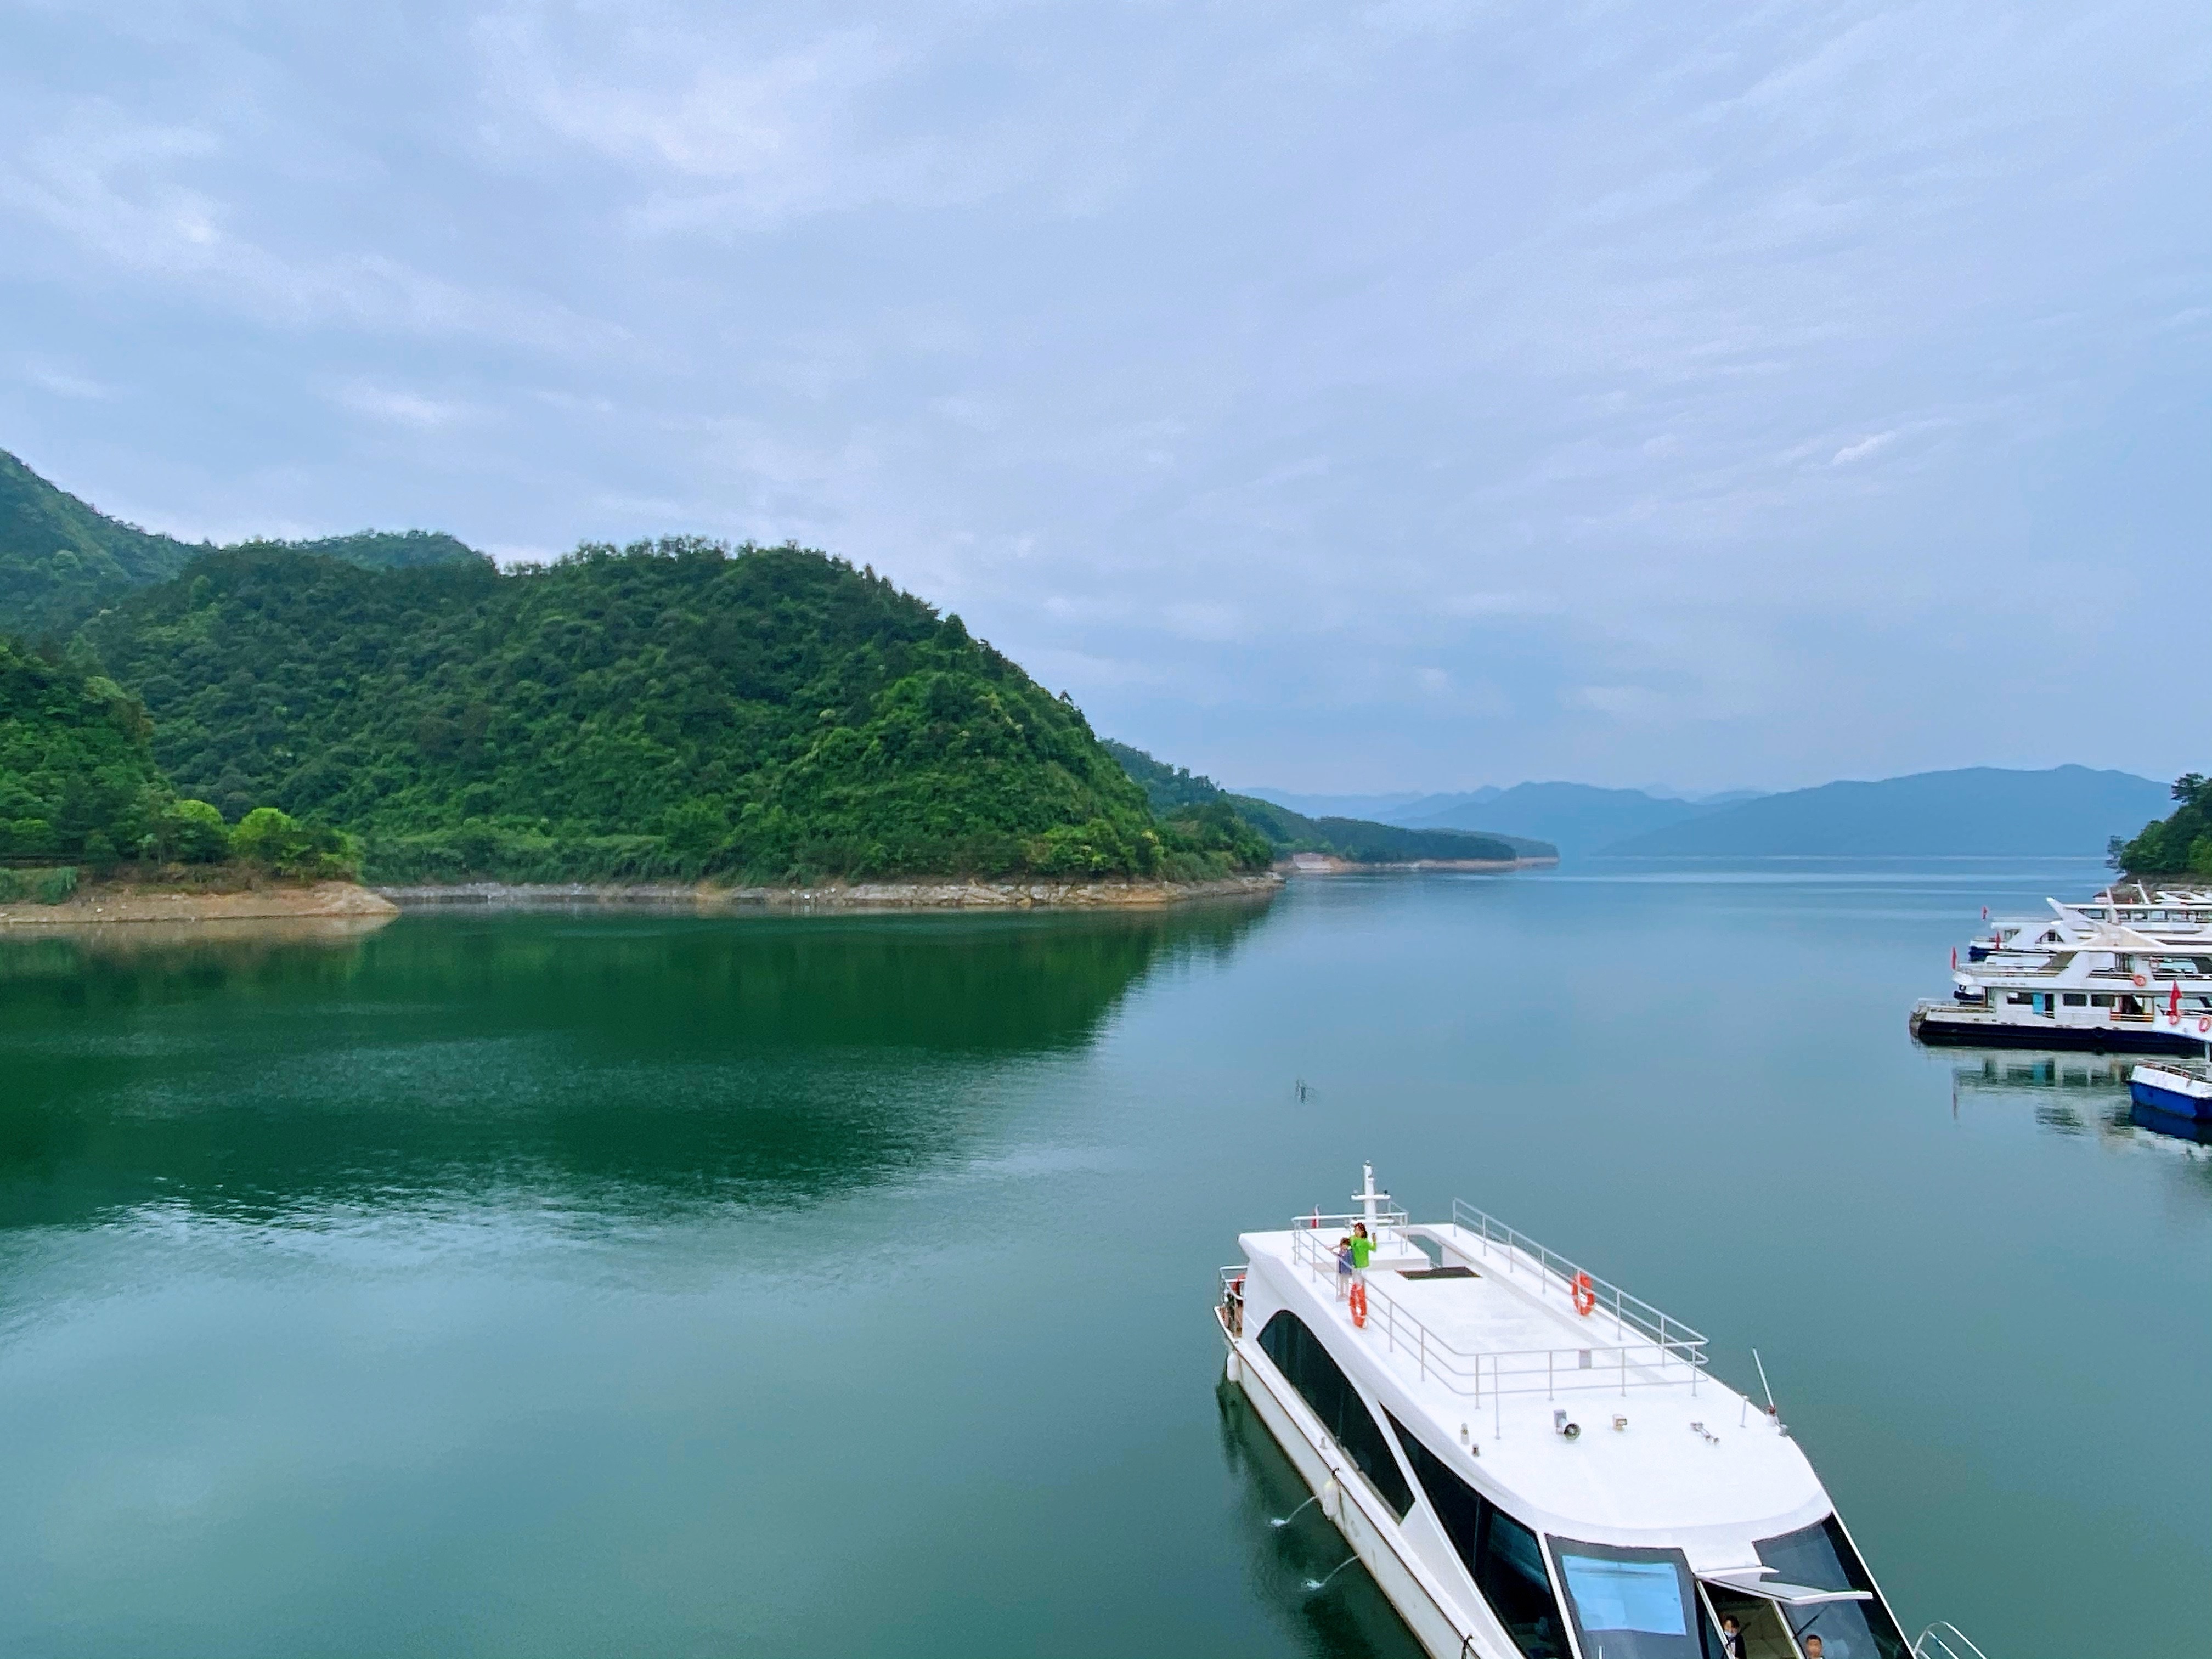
x: 1166, y: 788
x: 668, y: 710
x: 1197, y: 807
x: 2176, y: 846
x: 40, y: 886
x: 189, y: 832
x: 276, y: 841
x: 77, y: 776
x: 61, y: 560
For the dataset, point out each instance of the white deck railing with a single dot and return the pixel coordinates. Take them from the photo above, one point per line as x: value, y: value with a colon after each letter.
x: 1649, y: 1348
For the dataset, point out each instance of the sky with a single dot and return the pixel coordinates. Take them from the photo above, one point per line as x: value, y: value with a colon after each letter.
x: 1334, y: 397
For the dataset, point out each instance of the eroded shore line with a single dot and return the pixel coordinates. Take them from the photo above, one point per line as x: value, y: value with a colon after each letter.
x: 943, y: 895
x: 97, y: 903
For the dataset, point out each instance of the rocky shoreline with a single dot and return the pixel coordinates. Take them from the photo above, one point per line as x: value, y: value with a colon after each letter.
x: 1320, y: 864
x: 101, y: 902
x: 941, y: 895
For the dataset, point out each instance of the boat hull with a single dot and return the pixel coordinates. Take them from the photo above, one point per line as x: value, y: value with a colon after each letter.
x: 1938, y: 1028
x: 1371, y: 1537
x: 2171, y: 1092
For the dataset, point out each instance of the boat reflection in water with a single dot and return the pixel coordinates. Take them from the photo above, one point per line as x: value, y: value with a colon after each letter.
x: 2074, y: 1094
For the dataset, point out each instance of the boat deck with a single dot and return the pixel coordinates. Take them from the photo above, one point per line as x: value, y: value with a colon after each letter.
x: 1489, y: 1358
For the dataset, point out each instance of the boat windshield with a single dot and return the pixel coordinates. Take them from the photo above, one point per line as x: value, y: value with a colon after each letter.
x: 1821, y: 1556
x: 1633, y: 1603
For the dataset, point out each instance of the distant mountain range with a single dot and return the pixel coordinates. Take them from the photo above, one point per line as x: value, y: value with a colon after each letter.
x: 1977, y: 810
x: 1356, y: 841
x: 1578, y: 818
x: 1972, y: 812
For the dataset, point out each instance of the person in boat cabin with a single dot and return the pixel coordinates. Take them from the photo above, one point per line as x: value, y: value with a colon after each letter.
x: 1363, y: 1248
x: 1812, y: 1645
x: 1731, y: 1638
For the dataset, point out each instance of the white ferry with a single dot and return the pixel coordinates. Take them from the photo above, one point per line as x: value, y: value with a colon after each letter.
x: 2174, y: 919
x: 1534, y: 1464
x: 2105, y: 987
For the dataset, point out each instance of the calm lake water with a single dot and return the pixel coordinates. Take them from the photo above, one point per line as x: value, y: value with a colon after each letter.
x: 553, y: 1284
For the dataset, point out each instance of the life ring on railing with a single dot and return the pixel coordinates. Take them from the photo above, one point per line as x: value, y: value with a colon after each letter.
x: 1357, y: 1299
x: 2140, y: 980
x: 1585, y: 1297
x: 2204, y: 1024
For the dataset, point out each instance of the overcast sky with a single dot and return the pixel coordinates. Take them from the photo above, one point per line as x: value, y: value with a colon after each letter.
x: 1328, y: 396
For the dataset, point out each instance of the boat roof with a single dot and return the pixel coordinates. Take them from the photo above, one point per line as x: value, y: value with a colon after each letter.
x: 1478, y: 1348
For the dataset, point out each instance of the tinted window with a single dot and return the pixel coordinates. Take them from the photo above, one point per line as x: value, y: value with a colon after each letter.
x: 1299, y: 1355
x: 1822, y: 1557
x: 1502, y: 1555
x: 1631, y: 1603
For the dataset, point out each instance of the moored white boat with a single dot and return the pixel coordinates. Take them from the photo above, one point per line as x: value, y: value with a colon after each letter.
x: 1533, y: 1463
x: 2076, y: 983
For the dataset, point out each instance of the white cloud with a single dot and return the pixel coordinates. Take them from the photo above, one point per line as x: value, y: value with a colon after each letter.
x: 1862, y: 448
x: 397, y: 407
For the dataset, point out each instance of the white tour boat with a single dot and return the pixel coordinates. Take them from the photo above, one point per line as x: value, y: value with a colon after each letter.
x: 1534, y: 1464
x: 2078, y: 983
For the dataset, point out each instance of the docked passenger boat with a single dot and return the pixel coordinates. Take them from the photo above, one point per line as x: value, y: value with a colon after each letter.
x: 2079, y: 982
x: 1533, y: 1463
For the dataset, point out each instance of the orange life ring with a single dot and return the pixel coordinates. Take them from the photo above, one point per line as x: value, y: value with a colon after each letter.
x: 2140, y: 980
x: 1585, y: 1297
x: 2204, y: 1024
x: 1358, y: 1300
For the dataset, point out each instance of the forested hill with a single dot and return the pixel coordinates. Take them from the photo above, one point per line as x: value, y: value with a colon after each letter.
x: 61, y: 560
x: 672, y: 708
x: 1357, y: 840
x: 2177, y: 845
x: 76, y: 773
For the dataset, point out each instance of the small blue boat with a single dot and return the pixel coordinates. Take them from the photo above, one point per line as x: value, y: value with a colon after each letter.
x: 2172, y: 1089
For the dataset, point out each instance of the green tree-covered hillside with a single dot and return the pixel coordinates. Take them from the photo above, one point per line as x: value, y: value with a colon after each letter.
x: 2177, y: 845
x: 61, y: 560
x: 77, y: 776
x: 670, y: 708
x: 1178, y: 792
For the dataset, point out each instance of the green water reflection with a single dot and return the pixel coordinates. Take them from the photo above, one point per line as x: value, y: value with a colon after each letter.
x: 632, y: 1059
x: 551, y: 1284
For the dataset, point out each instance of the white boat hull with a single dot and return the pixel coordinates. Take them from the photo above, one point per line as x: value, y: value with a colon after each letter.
x: 1369, y: 1533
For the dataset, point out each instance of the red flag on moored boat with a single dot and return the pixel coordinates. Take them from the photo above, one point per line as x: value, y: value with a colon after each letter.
x: 2174, y: 1003
x: 1954, y: 958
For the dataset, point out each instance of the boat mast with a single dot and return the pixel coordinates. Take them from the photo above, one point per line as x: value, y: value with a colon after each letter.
x: 1369, y: 1197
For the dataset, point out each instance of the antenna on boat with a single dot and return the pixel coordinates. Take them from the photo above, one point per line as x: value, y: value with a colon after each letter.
x: 1772, y: 1411
x: 1369, y: 1197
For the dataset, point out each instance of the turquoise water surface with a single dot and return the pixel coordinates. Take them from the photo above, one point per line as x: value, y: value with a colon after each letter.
x: 568, y: 1283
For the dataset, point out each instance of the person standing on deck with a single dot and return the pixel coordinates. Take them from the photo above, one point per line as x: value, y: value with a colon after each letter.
x: 1363, y: 1248
x: 1343, y: 1265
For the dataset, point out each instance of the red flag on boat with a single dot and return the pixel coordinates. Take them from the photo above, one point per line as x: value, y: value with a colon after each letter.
x: 1954, y: 958
x: 2174, y: 1004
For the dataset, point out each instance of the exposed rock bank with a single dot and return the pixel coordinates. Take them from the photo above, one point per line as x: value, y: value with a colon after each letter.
x: 945, y: 894
x: 105, y: 901
x: 1321, y: 864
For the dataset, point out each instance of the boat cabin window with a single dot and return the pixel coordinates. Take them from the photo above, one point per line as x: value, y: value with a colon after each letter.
x: 1633, y: 1603
x: 1822, y: 1557
x: 1502, y: 1556
x: 2077, y: 999
x: 1299, y: 1355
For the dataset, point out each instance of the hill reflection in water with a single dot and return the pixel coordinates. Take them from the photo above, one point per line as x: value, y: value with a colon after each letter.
x: 565, y: 1060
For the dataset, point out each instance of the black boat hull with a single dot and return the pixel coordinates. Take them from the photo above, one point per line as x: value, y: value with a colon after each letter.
x: 2142, y: 1040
